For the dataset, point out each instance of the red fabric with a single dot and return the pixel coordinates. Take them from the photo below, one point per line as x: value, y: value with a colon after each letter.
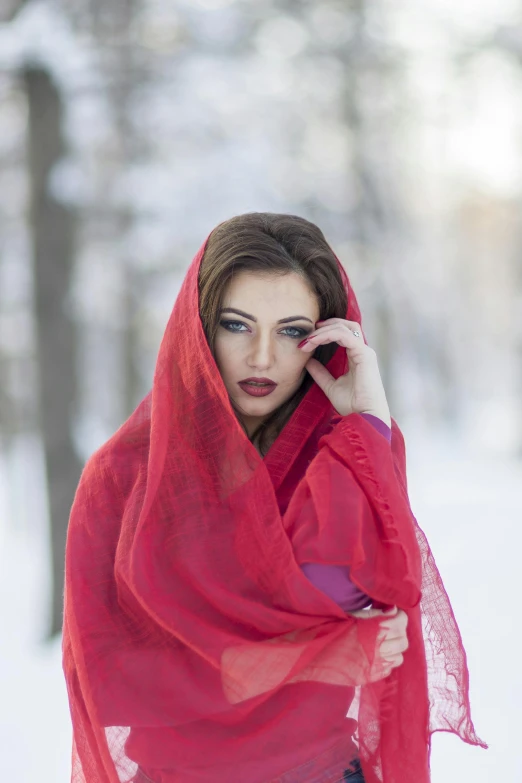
x: 194, y: 646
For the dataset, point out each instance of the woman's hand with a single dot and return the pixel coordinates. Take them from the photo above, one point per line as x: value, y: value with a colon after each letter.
x: 360, y: 390
x: 392, y: 640
x: 250, y: 669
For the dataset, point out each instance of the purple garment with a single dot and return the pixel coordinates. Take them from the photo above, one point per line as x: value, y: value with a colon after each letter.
x: 379, y: 424
x: 334, y: 580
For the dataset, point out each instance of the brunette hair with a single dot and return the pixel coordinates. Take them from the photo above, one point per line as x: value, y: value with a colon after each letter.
x: 275, y: 244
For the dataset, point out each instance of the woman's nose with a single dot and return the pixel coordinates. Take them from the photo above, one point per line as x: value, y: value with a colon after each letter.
x: 262, y: 353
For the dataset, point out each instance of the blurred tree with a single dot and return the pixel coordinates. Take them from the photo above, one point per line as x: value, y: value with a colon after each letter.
x: 376, y: 216
x: 53, y: 232
x: 10, y: 8
x: 128, y: 77
x: 375, y: 104
x: 373, y: 222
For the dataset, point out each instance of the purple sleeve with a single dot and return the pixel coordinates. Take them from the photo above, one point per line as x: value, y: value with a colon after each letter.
x: 379, y: 425
x: 334, y: 580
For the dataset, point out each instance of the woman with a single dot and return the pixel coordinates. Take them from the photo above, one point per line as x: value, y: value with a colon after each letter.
x: 224, y: 543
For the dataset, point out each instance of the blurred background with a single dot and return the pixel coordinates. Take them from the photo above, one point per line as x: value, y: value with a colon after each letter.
x: 128, y: 130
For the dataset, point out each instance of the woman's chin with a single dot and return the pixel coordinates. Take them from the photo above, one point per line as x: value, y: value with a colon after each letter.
x: 258, y: 408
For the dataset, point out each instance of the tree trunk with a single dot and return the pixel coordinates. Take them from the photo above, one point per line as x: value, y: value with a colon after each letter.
x: 53, y: 255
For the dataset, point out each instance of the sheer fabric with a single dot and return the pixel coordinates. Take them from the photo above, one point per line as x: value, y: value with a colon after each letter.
x: 194, y: 647
x: 334, y: 580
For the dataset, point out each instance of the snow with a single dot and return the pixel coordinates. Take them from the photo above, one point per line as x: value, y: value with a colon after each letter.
x: 457, y: 494
x: 35, y: 732
x: 469, y: 502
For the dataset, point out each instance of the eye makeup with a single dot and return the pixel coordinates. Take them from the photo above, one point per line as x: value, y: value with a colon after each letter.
x: 298, y: 332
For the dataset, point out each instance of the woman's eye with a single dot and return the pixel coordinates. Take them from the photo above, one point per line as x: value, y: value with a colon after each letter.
x: 231, y: 325
x: 289, y: 331
x: 296, y: 332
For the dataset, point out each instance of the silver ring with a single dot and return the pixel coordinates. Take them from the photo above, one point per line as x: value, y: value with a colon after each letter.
x: 356, y: 333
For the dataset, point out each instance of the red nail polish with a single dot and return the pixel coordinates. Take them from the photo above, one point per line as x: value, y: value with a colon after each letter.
x: 303, y: 342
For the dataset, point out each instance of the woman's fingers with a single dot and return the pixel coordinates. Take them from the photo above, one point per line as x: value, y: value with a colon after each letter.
x: 380, y: 669
x: 379, y: 674
x: 339, y: 321
x: 391, y: 647
x: 339, y: 333
x: 360, y: 389
x: 393, y: 638
x: 396, y: 625
x: 394, y: 660
x: 366, y: 614
x: 320, y: 374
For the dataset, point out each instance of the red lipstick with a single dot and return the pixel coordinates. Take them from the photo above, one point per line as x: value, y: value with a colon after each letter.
x: 257, y: 387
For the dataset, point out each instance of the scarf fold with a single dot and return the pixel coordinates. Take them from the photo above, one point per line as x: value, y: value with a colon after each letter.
x: 186, y: 614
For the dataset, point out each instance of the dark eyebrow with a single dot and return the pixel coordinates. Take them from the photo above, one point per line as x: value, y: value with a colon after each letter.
x: 251, y: 317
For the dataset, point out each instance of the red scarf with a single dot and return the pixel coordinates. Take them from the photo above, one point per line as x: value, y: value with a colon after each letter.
x: 194, y: 646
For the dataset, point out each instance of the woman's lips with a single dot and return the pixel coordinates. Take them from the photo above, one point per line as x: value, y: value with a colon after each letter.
x: 257, y: 390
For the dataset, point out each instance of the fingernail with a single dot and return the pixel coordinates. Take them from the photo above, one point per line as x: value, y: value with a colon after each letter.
x: 303, y: 342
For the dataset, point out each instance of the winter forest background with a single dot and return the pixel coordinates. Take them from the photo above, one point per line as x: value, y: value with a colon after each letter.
x: 128, y: 130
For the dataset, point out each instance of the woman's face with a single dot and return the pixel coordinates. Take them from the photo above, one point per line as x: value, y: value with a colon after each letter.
x: 263, y: 319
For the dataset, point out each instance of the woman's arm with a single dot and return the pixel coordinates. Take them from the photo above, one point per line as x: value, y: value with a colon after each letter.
x: 334, y: 580
x: 379, y: 425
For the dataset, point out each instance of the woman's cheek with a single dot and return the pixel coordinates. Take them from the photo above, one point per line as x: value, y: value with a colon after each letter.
x: 226, y: 353
x: 296, y: 371
x: 300, y: 359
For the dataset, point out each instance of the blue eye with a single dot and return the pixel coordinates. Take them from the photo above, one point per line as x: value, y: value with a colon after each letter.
x: 296, y: 332
x: 289, y: 331
x: 230, y: 325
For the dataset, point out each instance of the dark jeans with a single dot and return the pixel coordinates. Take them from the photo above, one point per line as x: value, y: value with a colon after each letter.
x: 354, y: 773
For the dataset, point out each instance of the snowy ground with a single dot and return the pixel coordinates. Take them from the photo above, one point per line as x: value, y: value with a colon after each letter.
x: 459, y: 499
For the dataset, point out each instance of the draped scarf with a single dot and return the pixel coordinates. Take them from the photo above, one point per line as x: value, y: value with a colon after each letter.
x: 184, y: 602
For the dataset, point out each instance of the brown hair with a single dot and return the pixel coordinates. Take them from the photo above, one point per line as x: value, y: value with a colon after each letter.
x: 276, y: 244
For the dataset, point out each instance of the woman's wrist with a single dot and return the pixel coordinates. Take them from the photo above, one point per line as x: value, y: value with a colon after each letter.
x: 379, y: 424
x: 381, y: 415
